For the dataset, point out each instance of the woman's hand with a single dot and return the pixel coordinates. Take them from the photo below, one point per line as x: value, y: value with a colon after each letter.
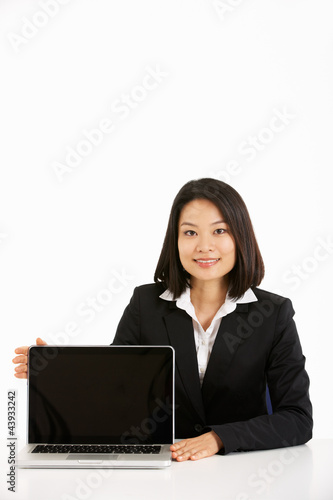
x: 22, y: 368
x: 202, y: 446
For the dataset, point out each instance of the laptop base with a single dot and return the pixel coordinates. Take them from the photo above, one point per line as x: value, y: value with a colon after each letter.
x: 28, y: 460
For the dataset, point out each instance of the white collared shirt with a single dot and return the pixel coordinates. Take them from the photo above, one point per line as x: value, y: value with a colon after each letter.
x: 204, y: 339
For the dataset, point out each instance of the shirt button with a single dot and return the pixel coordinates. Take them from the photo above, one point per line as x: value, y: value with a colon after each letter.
x: 198, y: 427
x: 202, y: 370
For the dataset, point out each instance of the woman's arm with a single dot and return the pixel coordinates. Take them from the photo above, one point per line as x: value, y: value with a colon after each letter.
x: 291, y: 422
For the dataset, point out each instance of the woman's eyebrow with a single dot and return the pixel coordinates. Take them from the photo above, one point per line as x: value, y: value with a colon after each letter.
x: 188, y: 224
x: 218, y: 222
x: 195, y: 225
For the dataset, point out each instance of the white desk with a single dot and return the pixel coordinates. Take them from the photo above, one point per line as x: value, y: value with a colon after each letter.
x: 296, y: 473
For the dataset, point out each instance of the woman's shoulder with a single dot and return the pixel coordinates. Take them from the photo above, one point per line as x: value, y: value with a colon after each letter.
x: 158, y: 287
x: 148, y: 299
x: 274, y: 298
x: 150, y: 290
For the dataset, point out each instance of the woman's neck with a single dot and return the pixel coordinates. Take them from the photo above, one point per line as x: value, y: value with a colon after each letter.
x: 207, y: 297
x: 208, y: 293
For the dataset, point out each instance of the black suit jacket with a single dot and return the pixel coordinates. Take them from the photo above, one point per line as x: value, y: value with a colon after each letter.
x: 256, y: 344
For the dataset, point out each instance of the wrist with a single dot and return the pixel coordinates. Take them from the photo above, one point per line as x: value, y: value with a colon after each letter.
x: 218, y: 441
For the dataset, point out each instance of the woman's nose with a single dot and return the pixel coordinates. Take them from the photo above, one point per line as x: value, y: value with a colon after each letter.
x: 205, y: 244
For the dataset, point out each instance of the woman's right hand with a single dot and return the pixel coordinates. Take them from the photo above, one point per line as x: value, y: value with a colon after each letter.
x: 22, y: 369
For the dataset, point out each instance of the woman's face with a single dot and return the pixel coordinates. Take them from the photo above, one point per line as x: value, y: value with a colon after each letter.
x: 206, y: 247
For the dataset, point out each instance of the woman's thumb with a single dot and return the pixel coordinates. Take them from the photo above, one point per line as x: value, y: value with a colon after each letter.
x: 39, y: 341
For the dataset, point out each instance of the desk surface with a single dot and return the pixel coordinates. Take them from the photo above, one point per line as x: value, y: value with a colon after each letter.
x: 296, y: 473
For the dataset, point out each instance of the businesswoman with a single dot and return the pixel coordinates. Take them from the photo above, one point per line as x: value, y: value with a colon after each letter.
x: 231, y: 338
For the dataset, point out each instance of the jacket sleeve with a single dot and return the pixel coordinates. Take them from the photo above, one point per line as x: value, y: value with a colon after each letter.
x: 128, y: 330
x: 291, y: 422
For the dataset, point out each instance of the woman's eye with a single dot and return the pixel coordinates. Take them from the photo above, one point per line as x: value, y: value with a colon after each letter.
x: 190, y: 233
x: 220, y: 231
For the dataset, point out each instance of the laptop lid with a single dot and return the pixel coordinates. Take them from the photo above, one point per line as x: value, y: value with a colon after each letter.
x: 101, y: 395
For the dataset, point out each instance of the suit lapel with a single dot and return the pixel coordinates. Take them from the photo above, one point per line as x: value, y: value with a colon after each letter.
x: 180, y: 330
x: 224, y: 349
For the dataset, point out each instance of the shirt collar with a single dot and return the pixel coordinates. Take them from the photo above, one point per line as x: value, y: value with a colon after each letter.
x: 248, y: 297
x: 184, y: 302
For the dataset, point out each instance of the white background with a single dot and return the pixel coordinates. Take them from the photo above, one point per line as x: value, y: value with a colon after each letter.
x: 226, y: 73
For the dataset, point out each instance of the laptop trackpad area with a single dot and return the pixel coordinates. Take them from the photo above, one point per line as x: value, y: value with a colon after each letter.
x: 93, y: 458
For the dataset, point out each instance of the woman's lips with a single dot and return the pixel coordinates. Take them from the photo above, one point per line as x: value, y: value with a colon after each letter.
x: 206, y: 262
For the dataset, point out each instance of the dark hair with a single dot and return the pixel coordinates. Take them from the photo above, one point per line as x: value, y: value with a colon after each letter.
x: 249, y: 267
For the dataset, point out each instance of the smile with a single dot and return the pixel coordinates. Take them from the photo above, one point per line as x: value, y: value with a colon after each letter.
x: 206, y: 262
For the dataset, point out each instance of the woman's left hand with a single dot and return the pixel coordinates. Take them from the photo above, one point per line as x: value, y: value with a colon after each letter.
x: 202, y: 446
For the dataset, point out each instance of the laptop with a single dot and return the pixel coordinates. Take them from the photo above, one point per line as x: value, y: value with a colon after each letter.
x: 99, y: 407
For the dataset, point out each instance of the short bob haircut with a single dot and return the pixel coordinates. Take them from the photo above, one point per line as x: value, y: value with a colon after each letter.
x: 249, y: 267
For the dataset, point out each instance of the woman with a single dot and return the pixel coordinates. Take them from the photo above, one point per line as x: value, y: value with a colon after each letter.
x: 231, y: 338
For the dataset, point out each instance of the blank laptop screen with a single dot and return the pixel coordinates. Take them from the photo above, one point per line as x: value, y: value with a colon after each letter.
x: 100, y: 395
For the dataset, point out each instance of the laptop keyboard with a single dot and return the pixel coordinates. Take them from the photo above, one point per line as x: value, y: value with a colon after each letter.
x: 84, y: 448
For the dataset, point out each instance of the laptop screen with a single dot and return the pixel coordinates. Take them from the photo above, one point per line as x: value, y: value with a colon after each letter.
x: 101, y: 395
